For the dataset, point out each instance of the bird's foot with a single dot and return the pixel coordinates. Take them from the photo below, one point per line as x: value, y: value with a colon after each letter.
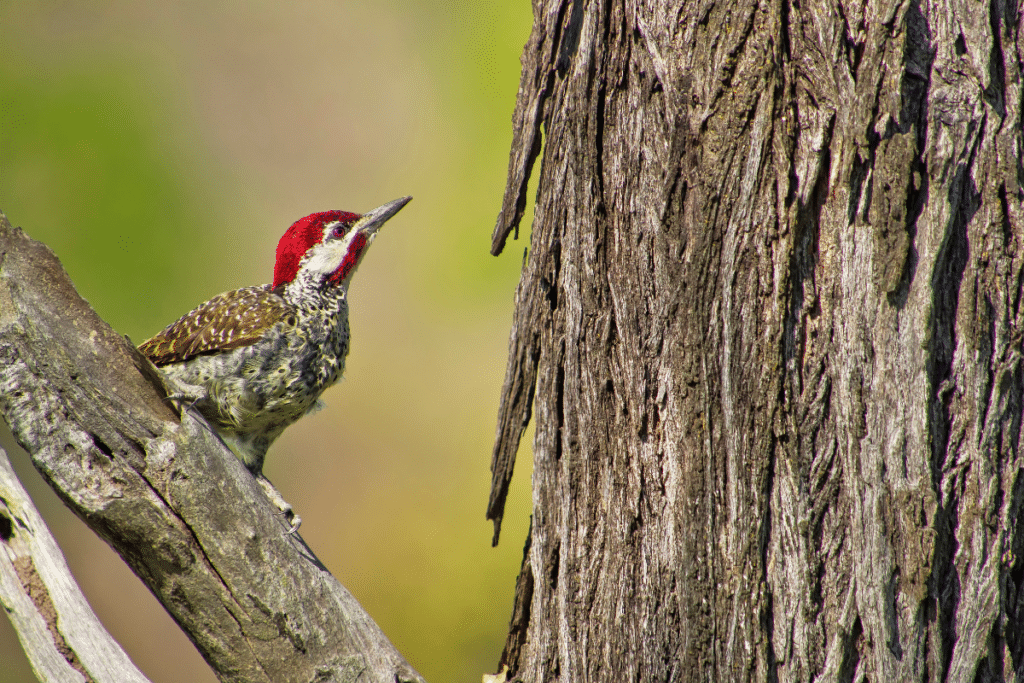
x: 280, y: 503
x: 184, y: 396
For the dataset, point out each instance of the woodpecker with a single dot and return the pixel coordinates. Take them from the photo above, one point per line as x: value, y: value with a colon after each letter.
x: 254, y: 360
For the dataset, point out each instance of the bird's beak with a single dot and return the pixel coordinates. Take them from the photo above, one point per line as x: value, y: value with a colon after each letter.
x: 371, y: 221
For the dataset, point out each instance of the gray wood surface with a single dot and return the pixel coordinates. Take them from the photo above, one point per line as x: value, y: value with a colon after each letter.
x: 62, y: 637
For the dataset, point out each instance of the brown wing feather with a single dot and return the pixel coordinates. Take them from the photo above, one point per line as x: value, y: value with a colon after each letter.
x: 226, y: 321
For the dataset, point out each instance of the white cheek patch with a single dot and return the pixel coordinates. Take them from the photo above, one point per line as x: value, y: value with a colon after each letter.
x: 326, y: 257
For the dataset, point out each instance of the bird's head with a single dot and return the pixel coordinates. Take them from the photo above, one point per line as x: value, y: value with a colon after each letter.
x: 330, y: 244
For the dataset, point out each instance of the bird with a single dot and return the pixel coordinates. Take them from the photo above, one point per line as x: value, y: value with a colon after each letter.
x: 254, y: 360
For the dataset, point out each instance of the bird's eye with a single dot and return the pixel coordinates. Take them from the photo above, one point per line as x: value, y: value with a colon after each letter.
x: 339, y: 230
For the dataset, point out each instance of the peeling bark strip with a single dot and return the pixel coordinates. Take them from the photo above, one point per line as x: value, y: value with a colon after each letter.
x: 167, y: 496
x: 770, y: 326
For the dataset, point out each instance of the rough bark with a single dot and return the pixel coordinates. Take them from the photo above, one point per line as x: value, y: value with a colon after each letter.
x: 771, y: 314
x: 62, y: 636
x: 166, y: 493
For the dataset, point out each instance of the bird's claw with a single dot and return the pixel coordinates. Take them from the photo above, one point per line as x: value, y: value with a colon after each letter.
x: 182, y: 402
x: 185, y: 396
x: 280, y: 503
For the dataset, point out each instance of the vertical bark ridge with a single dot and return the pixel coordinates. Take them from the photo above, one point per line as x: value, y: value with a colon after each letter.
x: 778, y: 381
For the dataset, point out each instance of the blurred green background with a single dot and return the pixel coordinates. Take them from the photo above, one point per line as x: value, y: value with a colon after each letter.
x: 160, y: 149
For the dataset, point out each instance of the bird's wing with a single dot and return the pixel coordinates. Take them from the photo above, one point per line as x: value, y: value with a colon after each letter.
x: 228, y: 321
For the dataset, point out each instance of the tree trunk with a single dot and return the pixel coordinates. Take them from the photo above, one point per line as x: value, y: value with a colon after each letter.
x: 772, y: 316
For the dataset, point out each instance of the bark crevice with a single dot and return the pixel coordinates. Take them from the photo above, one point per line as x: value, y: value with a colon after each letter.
x: 775, y: 367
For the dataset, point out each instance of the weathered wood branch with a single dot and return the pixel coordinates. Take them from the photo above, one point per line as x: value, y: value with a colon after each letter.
x: 62, y: 636
x: 166, y: 493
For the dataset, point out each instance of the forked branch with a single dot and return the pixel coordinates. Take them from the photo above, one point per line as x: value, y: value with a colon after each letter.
x: 166, y: 493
